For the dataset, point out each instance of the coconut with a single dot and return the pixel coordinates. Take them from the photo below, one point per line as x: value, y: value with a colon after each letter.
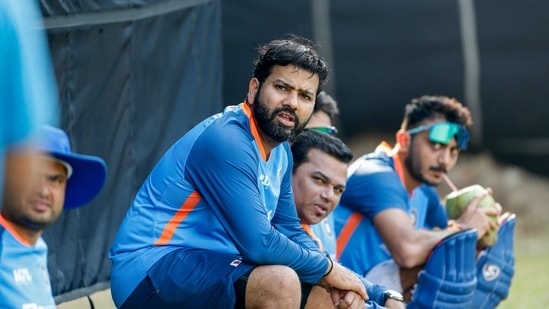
x: 457, y: 201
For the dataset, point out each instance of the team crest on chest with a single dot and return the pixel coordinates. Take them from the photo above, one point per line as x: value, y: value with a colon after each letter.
x: 327, y: 228
x: 413, y: 216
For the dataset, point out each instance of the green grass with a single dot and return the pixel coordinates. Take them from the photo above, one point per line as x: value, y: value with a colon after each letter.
x: 529, y: 286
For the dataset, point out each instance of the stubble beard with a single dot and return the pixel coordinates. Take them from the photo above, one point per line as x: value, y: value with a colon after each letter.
x: 415, y: 167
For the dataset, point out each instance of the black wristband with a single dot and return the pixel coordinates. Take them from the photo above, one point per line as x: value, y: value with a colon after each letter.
x: 331, y: 265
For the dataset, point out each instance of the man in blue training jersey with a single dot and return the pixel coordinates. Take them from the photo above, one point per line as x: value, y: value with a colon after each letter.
x: 382, y: 224
x: 62, y: 180
x: 319, y: 175
x: 215, y: 225
x: 323, y: 120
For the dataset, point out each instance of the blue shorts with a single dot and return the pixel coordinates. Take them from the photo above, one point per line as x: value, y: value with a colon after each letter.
x: 190, y: 278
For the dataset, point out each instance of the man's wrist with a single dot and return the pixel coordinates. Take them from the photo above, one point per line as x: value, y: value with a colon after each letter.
x: 330, y: 267
x: 392, y: 294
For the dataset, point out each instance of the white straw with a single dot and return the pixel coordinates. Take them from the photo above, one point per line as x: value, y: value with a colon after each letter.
x: 449, y: 182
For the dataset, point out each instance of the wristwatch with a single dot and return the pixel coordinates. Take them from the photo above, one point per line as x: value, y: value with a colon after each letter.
x: 392, y: 294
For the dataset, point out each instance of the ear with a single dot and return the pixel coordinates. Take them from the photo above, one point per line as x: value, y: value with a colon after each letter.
x: 253, y: 87
x: 403, y: 139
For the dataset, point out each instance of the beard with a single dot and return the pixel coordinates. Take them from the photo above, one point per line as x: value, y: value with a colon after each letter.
x: 18, y: 216
x: 268, y: 124
x: 415, y: 167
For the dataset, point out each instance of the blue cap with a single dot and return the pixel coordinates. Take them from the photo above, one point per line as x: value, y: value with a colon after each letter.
x: 87, y: 174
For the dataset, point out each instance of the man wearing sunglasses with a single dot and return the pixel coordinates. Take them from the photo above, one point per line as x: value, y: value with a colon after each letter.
x: 380, y: 223
x: 324, y: 114
x: 322, y: 120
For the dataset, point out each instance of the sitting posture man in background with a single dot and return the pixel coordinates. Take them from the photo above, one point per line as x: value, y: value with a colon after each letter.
x: 324, y: 114
x: 380, y: 221
x: 62, y: 180
x: 319, y: 175
x: 323, y: 120
x: 215, y: 224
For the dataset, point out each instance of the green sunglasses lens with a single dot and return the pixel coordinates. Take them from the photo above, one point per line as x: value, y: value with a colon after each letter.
x: 325, y: 130
x: 444, y: 132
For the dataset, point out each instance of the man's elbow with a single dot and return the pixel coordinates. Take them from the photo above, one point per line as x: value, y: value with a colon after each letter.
x: 407, y: 257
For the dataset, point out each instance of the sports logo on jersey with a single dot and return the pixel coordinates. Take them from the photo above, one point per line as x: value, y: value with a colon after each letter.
x: 413, y: 216
x: 490, y: 271
x: 327, y: 228
x: 264, y: 180
x: 21, y: 276
x: 235, y: 263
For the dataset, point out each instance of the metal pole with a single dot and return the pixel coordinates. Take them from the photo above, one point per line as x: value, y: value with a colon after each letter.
x: 472, y: 72
x: 322, y: 34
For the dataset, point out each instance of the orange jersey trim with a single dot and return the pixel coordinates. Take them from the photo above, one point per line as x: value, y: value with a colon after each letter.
x: 399, y: 169
x: 309, y: 231
x: 385, y: 147
x: 255, y: 132
x: 189, y: 204
x: 12, y: 231
x: 347, y: 231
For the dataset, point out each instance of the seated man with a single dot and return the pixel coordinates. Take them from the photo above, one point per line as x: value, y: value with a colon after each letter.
x: 323, y: 120
x: 318, y: 180
x: 215, y: 224
x: 324, y: 114
x: 380, y: 222
x: 62, y: 180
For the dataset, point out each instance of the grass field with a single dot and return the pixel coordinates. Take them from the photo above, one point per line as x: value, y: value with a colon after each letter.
x: 529, y: 284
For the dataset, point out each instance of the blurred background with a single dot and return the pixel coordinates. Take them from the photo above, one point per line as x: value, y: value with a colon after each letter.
x: 135, y: 75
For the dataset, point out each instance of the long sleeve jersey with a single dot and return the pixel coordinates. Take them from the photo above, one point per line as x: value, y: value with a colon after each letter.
x: 216, y: 189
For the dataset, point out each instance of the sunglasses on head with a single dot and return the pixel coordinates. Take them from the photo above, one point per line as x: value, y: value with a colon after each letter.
x: 326, y: 130
x: 443, y: 132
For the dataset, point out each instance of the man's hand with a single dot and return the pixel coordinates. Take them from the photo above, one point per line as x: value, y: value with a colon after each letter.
x: 482, y: 219
x: 496, y: 267
x: 340, y: 278
x: 346, y: 299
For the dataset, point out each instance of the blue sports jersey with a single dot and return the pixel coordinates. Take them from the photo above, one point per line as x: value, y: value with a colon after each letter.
x: 24, y: 278
x: 324, y: 231
x: 436, y: 216
x: 216, y: 189
x: 372, y: 187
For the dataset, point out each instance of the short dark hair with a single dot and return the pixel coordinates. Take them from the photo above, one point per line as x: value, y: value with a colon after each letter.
x: 325, y: 103
x: 431, y: 107
x: 326, y: 143
x: 296, y: 51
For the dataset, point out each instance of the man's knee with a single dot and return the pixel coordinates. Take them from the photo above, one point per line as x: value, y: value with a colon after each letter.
x: 275, y: 277
x: 271, y: 286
